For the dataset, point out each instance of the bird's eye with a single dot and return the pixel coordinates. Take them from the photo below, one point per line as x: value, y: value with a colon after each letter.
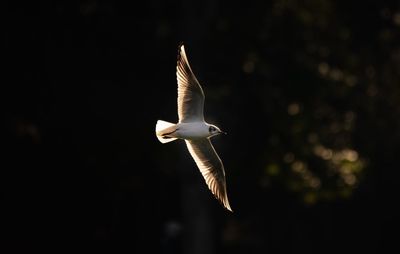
x: 211, y: 129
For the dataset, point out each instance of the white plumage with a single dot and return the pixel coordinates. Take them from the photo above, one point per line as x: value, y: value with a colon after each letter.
x: 194, y: 130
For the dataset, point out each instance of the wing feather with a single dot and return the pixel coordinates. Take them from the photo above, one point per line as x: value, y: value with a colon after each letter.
x: 190, y: 93
x: 211, y: 168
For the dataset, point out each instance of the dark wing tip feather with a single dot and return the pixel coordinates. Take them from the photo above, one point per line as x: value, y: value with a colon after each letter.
x: 212, y: 169
x: 224, y: 201
x: 180, y: 47
x: 181, y: 62
x: 218, y: 190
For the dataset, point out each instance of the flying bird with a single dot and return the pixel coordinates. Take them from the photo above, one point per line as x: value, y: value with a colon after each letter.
x: 194, y: 130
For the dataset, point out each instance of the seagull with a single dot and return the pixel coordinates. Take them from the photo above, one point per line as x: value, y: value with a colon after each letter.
x: 194, y: 130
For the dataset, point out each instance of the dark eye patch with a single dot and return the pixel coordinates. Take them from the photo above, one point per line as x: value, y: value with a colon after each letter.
x: 211, y: 129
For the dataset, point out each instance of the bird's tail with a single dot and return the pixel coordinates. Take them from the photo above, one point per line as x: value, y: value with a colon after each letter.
x: 165, y: 131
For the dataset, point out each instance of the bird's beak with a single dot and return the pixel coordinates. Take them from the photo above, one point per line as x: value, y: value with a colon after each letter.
x: 223, y: 132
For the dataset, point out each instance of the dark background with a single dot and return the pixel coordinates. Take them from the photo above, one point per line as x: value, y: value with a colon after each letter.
x: 308, y: 91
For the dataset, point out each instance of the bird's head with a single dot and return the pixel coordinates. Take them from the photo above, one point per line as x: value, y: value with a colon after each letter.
x: 214, y: 130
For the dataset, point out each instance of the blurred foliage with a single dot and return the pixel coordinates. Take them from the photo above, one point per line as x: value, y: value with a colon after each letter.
x: 321, y: 78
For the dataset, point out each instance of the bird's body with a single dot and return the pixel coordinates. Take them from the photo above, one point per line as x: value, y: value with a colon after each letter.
x: 194, y: 130
x: 190, y: 131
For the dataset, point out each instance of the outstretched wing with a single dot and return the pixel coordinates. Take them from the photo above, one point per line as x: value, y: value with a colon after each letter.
x: 190, y: 93
x: 211, y: 168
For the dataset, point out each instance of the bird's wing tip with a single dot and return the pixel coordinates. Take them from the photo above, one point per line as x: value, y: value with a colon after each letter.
x: 227, y: 206
x: 181, y: 47
x: 181, y: 51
